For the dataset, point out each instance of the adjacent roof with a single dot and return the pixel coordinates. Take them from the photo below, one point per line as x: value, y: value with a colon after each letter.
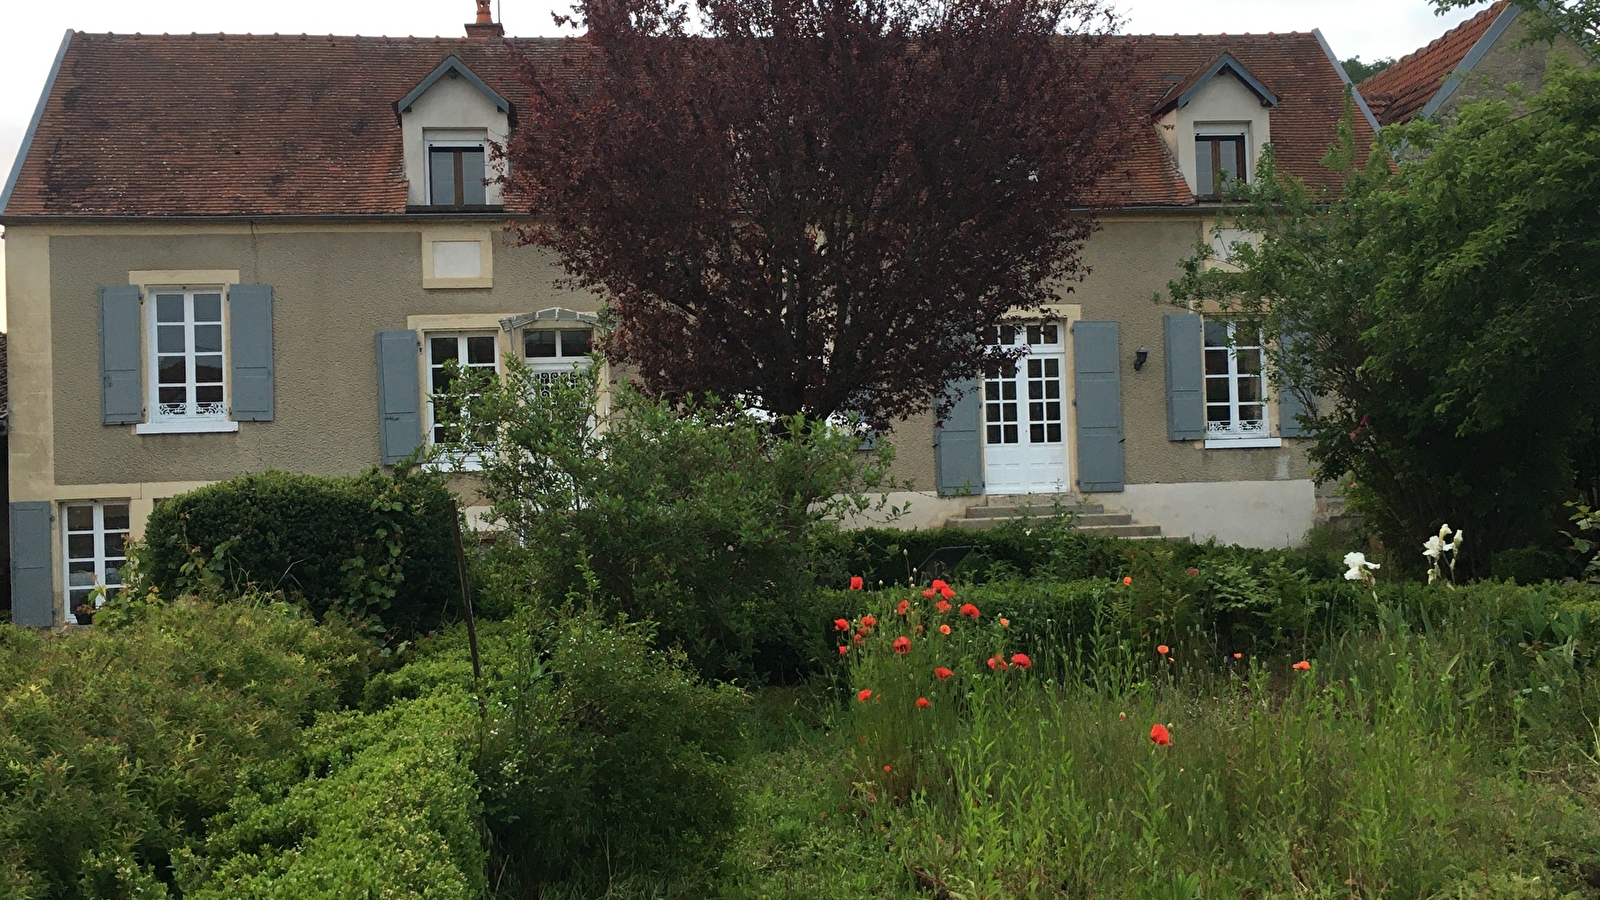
x: 296, y: 126
x: 1404, y: 90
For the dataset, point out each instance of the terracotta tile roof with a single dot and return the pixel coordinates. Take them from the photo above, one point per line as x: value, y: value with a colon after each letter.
x: 230, y: 125
x: 1311, y: 98
x: 1399, y: 92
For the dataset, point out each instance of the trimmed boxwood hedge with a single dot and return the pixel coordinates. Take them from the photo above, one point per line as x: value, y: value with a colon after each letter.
x: 374, y: 544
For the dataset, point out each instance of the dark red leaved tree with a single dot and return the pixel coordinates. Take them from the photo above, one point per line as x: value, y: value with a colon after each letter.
x: 819, y: 206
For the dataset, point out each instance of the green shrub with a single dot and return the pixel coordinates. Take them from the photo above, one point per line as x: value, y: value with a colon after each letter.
x: 373, y: 545
x: 117, y: 744
x: 693, y: 515
x: 1043, y: 547
x: 1527, y: 565
x: 605, y: 757
x: 385, y: 805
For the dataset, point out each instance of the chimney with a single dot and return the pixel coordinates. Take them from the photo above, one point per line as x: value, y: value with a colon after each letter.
x: 486, y: 27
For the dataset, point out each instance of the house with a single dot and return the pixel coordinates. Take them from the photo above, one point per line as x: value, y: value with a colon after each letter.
x: 1476, y: 60
x: 228, y: 253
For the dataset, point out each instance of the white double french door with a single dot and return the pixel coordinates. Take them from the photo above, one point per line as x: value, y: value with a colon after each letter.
x: 1024, y: 412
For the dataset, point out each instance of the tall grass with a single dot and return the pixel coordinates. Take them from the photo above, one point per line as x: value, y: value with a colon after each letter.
x: 1402, y: 764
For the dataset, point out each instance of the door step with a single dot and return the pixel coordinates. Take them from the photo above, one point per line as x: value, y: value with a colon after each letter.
x: 1089, y: 518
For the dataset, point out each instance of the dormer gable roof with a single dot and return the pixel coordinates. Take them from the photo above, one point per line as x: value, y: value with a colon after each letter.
x: 1180, y: 94
x: 452, y: 64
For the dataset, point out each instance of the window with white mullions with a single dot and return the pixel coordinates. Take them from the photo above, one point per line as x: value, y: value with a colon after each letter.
x: 188, y: 358
x: 1000, y: 405
x: 449, y: 355
x: 556, y: 353
x: 1235, y: 395
x: 94, y: 538
x: 1044, y: 400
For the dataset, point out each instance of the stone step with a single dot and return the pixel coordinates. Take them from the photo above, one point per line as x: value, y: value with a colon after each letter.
x: 1005, y: 512
x: 1124, y: 528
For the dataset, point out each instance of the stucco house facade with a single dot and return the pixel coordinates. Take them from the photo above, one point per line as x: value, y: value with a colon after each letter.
x: 231, y: 253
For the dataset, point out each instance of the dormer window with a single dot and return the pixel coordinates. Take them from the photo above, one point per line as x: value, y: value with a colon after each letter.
x: 1219, y: 163
x: 447, y: 123
x: 456, y: 175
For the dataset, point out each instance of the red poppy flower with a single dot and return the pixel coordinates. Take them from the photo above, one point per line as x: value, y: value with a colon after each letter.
x: 1163, y: 649
x: 947, y: 594
x: 902, y: 645
x: 1303, y: 665
x: 922, y: 703
x: 998, y: 662
x: 944, y: 629
x: 1005, y: 622
x: 942, y: 606
x: 904, y: 607
x: 869, y: 621
x: 1160, y: 736
x: 841, y: 624
x: 938, y: 584
x: 941, y: 673
x: 1238, y: 656
x: 1193, y: 572
x: 1021, y: 661
x: 887, y: 768
x: 856, y: 583
x: 1127, y: 579
x: 858, y: 637
x: 928, y: 594
x: 843, y: 650
x: 865, y: 695
x: 967, y: 609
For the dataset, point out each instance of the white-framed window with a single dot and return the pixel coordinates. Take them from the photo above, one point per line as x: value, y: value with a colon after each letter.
x: 456, y: 173
x: 188, y: 357
x: 94, y: 538
x: 447, y: 355
x: 1236, y: 405
x: 555, y: 353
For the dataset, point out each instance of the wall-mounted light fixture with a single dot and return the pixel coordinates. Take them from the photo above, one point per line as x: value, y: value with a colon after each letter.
x: 1140, y: 357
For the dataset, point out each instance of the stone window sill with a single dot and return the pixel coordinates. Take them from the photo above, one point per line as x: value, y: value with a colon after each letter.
x: 203, y: 426
x: 1243, y: 443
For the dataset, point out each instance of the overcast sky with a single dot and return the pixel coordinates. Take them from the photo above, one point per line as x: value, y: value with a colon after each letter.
x: 31, y: 30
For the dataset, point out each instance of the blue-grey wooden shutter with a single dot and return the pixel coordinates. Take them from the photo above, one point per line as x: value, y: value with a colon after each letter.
x: 957, y: 451
x: 32, y: 595
x: 399, y: 396
x: 250, y: 345
x: 121, y: 387
x: 1186, y: 378
x: 1096, y: 363
x: 1289, y: 406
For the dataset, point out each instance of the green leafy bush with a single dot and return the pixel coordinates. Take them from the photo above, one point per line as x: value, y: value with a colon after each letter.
x: 694, y: 515
x: 1044, y: 547
x: 373, y: 545
x: 385, y: 804
x: 605, y: 756
x: 118, y: 744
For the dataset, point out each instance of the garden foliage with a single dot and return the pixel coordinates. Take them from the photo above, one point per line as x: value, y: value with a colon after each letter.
x: 693, y: 516
x: 377, y: 545
x: 118, y: 745
x: 1442, y: 313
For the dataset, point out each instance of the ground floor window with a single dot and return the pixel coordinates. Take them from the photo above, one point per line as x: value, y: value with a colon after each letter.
x: 448, y: 356
x: 1235, y: 397
x: 555, y: 353
x: 95, y: 537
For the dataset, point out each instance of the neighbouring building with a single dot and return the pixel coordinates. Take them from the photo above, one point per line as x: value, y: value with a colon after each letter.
x: 228, y: 253
x: 1476, y: 60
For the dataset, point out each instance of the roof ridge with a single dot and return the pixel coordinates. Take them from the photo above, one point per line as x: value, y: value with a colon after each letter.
x: 1482, y: 19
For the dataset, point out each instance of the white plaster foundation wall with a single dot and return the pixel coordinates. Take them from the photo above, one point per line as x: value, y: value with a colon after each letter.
x: 1265, y: 514
x: 926, y: 510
